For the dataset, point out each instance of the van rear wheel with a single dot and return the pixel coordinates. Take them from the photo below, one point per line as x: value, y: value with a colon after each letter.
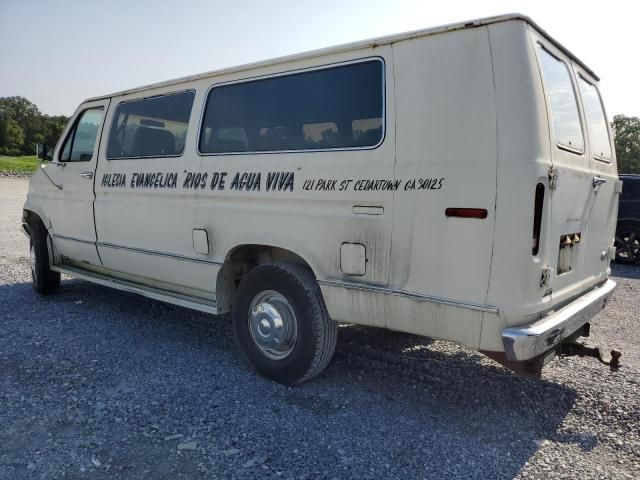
x: 44, y: 280
x: 281, y: 324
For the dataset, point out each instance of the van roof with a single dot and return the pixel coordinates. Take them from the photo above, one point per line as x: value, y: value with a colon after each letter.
x: 374, y: 42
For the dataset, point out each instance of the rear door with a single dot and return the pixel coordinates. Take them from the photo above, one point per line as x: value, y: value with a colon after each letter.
x: 76, y: 159
x: 601, y: 157
x: 580, y: 198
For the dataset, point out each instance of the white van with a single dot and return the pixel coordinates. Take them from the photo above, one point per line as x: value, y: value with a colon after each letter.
x: 456, y: 182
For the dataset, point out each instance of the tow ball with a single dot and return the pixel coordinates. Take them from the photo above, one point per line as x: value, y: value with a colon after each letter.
x: 581, y: 349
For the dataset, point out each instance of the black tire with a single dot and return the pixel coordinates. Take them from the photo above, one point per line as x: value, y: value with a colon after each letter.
x: 627, y: 242
x: 315, y: 332
x: 44, y: 280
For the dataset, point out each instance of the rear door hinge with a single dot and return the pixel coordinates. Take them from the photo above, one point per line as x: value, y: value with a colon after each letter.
x: 617, y: 187
x: 545, y: 278
x: 553, y: 177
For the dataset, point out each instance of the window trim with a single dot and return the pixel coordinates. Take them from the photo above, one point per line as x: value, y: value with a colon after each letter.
x: 561, y: 146
x: 606, y: 122
x: 73, y: 130
x: 294, y: 72
x: 141, y: 99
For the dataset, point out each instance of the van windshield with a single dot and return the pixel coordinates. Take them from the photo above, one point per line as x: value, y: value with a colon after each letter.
x: 596, y: 121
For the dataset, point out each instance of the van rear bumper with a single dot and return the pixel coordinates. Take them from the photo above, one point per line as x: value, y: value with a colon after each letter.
x: 530, y: 341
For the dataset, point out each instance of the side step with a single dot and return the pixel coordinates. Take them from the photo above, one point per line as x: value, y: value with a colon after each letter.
x: 187, y: 301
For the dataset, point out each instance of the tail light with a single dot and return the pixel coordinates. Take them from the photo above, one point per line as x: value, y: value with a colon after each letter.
x: 466, y: 212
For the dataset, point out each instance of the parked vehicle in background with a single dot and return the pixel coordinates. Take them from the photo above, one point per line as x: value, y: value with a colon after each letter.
x: 628, y: 229
x: 457, y: 183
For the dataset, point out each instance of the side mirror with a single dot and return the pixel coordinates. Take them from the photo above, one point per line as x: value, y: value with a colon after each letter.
x: 44, y: 152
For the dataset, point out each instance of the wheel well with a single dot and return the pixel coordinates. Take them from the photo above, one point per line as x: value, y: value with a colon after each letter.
x: 239, y: 262
x: 29, y: 216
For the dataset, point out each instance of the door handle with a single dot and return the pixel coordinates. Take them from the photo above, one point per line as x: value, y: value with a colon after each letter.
x: 597, y: 181
x: 88, y: 175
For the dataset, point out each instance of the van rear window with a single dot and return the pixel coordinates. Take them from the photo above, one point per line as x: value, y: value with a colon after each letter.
x: 150, y: 127
x: 331, y: 108
x: 596, y: 121
x: 562, y: 100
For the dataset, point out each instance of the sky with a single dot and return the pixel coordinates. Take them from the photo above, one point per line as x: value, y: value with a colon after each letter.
x: 57, y: 53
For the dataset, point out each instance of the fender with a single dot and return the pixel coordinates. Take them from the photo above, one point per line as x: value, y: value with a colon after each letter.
x: 240, y: 259
x: 35, y: 207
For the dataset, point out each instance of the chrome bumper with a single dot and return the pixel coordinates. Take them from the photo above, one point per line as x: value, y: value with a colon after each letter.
x: 530, y: 341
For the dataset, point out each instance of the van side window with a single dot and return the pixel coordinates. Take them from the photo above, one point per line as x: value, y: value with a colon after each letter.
x: 150, y: 127
x: 562, y: 100
x: 596, y: 121
x: 81, y: 140
x: 337, y: 107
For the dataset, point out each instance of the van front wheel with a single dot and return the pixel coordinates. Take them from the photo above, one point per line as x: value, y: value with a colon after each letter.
x: 281, y: 324
x: 44, y: 280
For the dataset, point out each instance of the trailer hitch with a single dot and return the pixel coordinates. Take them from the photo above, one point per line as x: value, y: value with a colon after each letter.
x: 572, y: 348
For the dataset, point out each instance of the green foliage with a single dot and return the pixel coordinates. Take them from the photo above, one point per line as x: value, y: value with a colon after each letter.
x: 55, y: 126
x: 15, y: 136
x: 22, y: 126
x: 627, y: 142
x: 19, y: 164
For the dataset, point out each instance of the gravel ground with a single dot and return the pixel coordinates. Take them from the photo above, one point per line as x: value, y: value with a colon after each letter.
x: 97, y: 383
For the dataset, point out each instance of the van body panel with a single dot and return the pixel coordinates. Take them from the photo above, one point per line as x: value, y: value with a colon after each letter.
x: 528, y: 155
x: 435, y: 320
x: 138, y: 219
x: 69, y: 196
x: 450, y: 141
x: 571, y: 201
x: 523, y: 162
x: 577, y: 203
x: 604, y: 199
x: 451, y: 138
x: 38, y: 196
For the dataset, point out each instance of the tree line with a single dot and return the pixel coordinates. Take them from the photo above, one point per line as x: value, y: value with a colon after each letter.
x: 22, y: 126
x: 626, y: 132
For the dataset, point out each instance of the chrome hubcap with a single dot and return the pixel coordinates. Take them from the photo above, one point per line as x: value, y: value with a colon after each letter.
x: 273, y: 324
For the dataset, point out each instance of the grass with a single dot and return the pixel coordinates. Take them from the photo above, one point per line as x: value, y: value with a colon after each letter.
x: 27, y: 164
